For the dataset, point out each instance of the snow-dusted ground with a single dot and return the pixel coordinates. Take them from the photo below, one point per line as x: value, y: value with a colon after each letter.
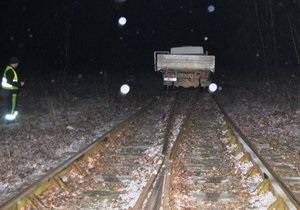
x: 268, y: 112
x: 57, y: 121
x: 269, y: 108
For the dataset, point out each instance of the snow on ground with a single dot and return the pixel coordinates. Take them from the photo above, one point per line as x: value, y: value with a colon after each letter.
x: 55, y: 122
x: 268, y: 112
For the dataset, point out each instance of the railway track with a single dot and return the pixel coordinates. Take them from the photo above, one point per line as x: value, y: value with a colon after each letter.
x: 180, y: 152
x: 277, y: 161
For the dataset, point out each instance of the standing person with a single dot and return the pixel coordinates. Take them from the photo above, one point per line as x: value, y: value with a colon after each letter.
x: 10, y: 85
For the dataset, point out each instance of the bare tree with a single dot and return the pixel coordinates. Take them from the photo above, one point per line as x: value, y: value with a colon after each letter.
x: 292, y: 31
x: 273, y: 33
x: 261, y: 39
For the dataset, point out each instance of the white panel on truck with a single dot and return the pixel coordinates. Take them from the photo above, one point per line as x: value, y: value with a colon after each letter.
x: 185, y: 62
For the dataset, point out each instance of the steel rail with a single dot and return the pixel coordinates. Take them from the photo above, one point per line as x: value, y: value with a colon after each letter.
x: 13, y: 203
x: 166, y: 182
x: 158, y: 185
x: 150, y: 185
x: 160, y: 195
x: 278, y: 185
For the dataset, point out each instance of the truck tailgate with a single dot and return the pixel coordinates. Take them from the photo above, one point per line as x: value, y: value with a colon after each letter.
x: 185, y: 62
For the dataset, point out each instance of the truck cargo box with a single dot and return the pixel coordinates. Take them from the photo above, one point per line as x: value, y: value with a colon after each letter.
x: 185, y: 62
x: 185, y: 66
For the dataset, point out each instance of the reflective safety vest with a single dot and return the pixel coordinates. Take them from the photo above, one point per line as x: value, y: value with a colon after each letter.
x: 5, y: 84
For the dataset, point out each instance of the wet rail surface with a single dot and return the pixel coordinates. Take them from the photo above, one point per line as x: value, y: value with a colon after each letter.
x: 179, y: 153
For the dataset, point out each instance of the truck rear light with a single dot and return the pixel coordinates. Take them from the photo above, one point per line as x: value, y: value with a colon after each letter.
x: 170, y: 79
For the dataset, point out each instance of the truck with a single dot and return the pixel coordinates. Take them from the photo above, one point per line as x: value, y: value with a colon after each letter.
x: 186, y: 66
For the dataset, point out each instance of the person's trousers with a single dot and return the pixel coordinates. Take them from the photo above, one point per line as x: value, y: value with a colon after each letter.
x: 11, y: 102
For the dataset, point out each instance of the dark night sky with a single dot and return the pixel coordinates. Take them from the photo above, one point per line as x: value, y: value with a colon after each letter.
x: 39, y: 32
